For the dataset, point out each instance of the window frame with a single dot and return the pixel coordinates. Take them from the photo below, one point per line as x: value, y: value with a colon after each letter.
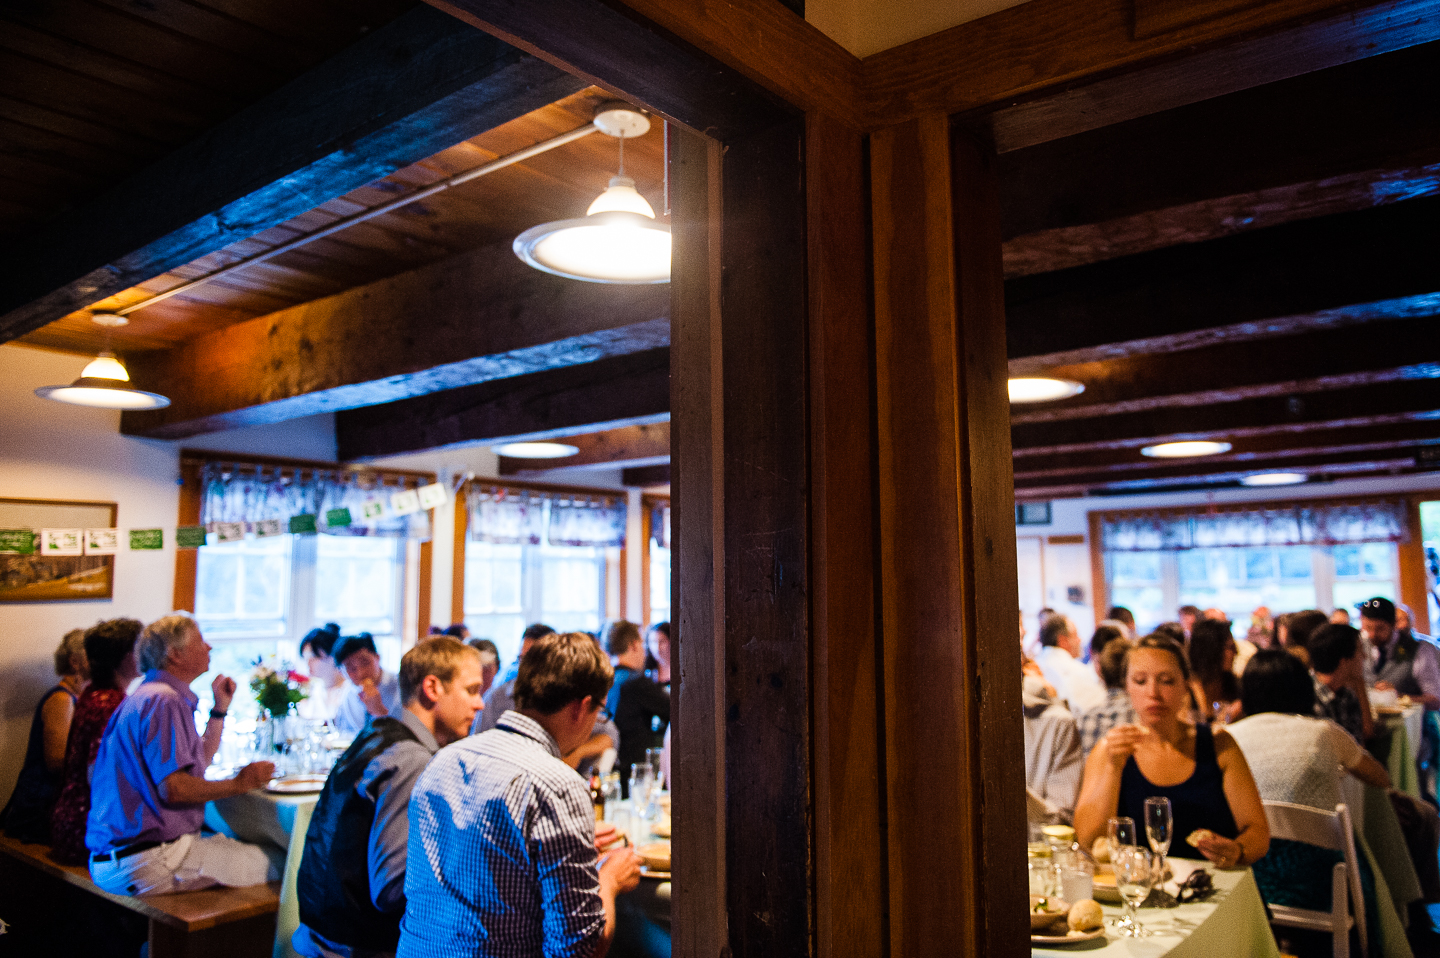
x: 615, y: 602
x: 1410, y: 582
x: 417, y: 560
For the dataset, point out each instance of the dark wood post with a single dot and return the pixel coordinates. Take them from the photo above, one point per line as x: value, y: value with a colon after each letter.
x: 953, y: 743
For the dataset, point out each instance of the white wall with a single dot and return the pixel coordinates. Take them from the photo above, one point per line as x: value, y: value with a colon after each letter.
x: 49, y: 450
x: 1067, y: 565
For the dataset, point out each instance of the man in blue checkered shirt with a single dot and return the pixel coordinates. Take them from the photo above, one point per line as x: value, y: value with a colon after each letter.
x: 503, y: 842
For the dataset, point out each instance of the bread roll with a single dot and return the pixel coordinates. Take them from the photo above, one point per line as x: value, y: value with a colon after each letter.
x: 1100, y: 851
x: 1197, y: 836
x: 1086, y: 916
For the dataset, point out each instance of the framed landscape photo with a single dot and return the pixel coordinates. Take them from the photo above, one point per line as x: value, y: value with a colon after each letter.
x: 43, y: 550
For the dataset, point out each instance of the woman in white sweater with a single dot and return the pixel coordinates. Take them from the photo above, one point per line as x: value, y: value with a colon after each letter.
x: 1300, y: 759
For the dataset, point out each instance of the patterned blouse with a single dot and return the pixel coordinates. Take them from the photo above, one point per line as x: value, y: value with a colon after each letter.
x: 67, y: 827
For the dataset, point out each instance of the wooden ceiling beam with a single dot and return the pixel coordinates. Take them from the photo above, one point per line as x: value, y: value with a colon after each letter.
x: 646, y: 476
x: 477, y: 317
x: 1349, y: 138
x: 408, y: 90
x: 607, y: 394
x: 1363, y: 465
x: 1335, y: 358
x: 1347, y: 268
x: 630, y: 447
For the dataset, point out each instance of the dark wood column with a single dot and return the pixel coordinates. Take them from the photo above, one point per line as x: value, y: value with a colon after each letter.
x: 953, y: 744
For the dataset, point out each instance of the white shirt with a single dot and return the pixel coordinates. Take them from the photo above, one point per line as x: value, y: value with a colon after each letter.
x: 1074, y: 681
x: 1296, y: 758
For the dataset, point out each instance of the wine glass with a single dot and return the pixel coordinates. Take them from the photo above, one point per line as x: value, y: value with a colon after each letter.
x: 1134, y: 874
x: 1157, y: 828
x: 1122, y: 832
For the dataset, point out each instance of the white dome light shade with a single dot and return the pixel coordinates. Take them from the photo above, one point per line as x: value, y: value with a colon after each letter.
x: 1274, y: 479
x: 535, y: 450
x: 621, y: 195
x: 102, y: 385
x: 1182, y: 450
x: 105, y: 366
x: 611, y: 247
x: 1043, y: 389
x: 102, y: 394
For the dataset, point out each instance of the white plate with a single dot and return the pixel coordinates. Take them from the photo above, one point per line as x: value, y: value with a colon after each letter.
x: 658, y: 875
x: 1069, y: 939
x: 296, y: 785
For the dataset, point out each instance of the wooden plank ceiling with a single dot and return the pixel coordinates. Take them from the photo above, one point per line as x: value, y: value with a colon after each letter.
x: 1261, y: 267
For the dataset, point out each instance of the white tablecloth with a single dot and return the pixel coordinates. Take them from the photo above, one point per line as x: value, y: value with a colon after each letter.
x: 257, y: 817
x: 1231, y: 923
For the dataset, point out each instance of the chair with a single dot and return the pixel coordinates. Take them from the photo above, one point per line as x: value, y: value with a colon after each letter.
x: 1332, y: 830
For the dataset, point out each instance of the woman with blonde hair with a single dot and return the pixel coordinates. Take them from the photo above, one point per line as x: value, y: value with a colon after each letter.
x: 27, y: 816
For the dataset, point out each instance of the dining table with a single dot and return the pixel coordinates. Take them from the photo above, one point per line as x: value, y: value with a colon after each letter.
x: 1231, y: 921
x: 1397, y: 743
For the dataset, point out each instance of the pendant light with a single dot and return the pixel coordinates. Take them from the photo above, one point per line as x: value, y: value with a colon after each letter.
x: 104, y: 383
x: 618, y: 240
x: 535, y: 450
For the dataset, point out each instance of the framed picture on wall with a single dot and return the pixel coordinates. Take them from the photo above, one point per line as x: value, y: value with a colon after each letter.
x: 28, y: 574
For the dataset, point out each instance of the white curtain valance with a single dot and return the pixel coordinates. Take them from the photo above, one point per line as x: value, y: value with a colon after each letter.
x: 231, y: 492
x: 513, y: 516
x: 1298, y: 524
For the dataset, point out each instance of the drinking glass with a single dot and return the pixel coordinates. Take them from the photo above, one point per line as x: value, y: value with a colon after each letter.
x: 642, y: 780
x: 1134, y: 875
x: 653, y: 756
x: 1122, y: 832
x: 1077, y: 879
x: 1157, y: 829
x: 1042, y: 877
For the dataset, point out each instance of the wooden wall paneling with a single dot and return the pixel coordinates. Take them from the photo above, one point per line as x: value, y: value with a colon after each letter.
x: 375, y: 107
x: 990, y: 575
x: 948, y: 573
x: 698, y: 568
x: 187, y: 560
x: 1411, y: 557
x: 457, y: 567
x: 767, y: 600
x: 850, y: 864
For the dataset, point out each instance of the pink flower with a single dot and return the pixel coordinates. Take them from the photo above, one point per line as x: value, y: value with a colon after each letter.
x: 297, y: 677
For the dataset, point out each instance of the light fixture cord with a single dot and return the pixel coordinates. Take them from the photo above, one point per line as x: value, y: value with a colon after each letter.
x: 622, y: 155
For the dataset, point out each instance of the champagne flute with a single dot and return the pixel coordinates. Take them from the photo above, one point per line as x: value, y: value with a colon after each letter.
x: 1134, y: 875
x: 1122, y: 832
x: 1157, y: 828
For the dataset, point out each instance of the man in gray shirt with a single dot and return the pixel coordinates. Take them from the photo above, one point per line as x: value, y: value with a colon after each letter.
x: 352, y: 876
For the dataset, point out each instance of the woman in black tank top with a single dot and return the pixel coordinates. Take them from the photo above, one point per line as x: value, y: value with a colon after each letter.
x: 1202, y: 773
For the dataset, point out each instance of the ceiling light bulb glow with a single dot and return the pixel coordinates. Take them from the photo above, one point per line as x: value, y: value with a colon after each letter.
x: 621, y: 195
x: 106, y: 366
x: 1043, y: 389
x: 611, y: 247
x: 103, y: 394
x: 535, y: 450
x: 1274, y: 479
x: 1183, y: 450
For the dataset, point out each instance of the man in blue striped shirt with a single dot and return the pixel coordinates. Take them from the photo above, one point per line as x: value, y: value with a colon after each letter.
x: 503, y: 851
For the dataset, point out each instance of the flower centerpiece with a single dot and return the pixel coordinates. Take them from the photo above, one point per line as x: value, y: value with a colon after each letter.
x: 277, y: 687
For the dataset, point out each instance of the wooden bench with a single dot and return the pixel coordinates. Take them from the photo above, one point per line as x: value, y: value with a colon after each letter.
x: 214, y: 923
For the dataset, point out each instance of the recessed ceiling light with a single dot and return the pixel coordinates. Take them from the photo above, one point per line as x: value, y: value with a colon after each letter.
x: 1274, y: 479
x: 535, y: 450
x: 1182, y: 450
x: 1043, y: 389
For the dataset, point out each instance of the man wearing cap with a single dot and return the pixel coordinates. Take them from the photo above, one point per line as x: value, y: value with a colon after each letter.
x: 1405, y: 664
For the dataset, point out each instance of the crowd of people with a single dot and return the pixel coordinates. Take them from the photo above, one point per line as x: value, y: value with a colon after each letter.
x: 488, y: 771
x: 1219, y: 725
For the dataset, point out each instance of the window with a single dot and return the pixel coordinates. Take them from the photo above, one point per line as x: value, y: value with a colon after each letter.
x: 258, y: 597
x: 659, y: 583
x: 508, y: 586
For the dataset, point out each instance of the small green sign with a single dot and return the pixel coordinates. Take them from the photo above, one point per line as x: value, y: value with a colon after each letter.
x: 141, y: 539
x: 336, y: 518
x: 303, y: 525
x: 17, y: 541
x: 189, y: 537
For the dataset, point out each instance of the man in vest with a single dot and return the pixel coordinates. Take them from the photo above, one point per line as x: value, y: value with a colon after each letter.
x: 351, y: 884
x: 1406, y: 664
